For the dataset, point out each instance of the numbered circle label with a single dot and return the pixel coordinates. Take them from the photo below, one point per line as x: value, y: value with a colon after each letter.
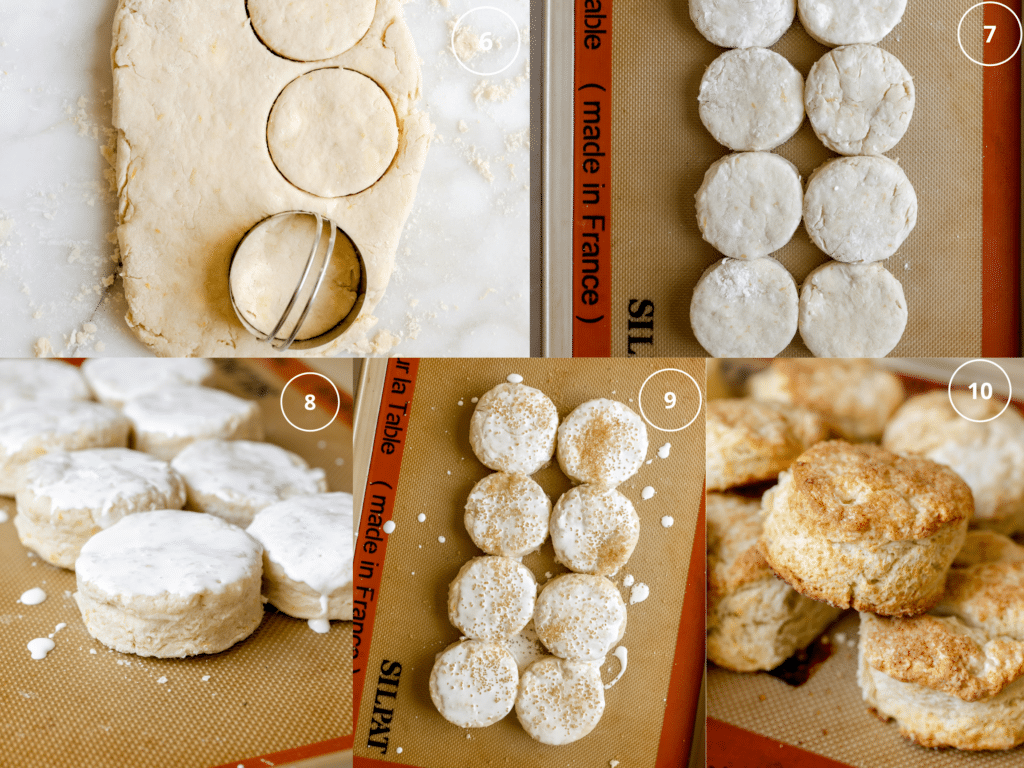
x: 990, y: 33
x: 984, y: 381
x: 317, y: 408
x: 486, y: 41
x: 670, y: 400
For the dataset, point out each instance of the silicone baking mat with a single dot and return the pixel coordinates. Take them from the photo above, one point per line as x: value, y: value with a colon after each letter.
x: 422, y: 463
x: 279, y: 696
x: 959, y: 268
x: 758, y: 719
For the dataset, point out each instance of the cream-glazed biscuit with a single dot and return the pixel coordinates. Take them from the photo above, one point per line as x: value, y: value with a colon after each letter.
x: 989, y: 455
x: 492, y: 598
x: 23, y: 381
x: 170, y: 584
x: 36, y: 428
x: 308, y: 552
x: 67, y: 498
x: 513, y: 429
x: 748, y: 441
x: 507, y: 514
x: 594, y: 530
x: 955, y: 676
x: 580, y: 617
x: 602, y: 442
x: 854, y: 397
x: 560, y: 701
x: 235, y: 479
x: 860, y: 527
x: 474, y: 683
x: 167, y: 420
x: 754, y: 620
x: 115, y: 380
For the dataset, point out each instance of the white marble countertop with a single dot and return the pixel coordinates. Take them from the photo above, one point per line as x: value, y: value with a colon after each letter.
x: 461, y: 284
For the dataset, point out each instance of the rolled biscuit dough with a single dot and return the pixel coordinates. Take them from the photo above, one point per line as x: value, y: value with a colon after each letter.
x: 859, y: 209
x: 742, y: 23
x: 852, y: 310
x: 193, y: 89
x: 841, y: 22
x: 751, y: 99
x: 749, y: 204
x: 859, y: 99
x: 310, y: 30
x: 745, y: 308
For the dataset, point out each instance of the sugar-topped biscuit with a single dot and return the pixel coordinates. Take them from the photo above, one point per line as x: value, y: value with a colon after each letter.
x: 507, y: 514
x: 513, y: 429
x: 594, y: 530
x: 492, y: 598
x: 580, y: 617
x: 602, y: 442
x: 474, y: 683
x: 560, y: 701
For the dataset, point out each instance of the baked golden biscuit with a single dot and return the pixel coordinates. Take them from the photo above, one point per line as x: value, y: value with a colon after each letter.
x: 748, y: 441
x: 989, y: 456
x: 854, y: 397
x: 955, y: 677
x: 860, y: 527
x: 754, y: 620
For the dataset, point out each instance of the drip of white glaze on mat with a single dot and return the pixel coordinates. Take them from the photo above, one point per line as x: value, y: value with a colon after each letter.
x: 664, y: 451
x: 514, y: 378
x: 628, y: 580
x: 389, y: 526
x: 321, y: 626
x: 40, y: 647
x: 668, y: 521
x: 647, y: 493
x: 421, y: 517
x: 639, y: 593
x: 33, y: 596
x: 3, y: 516
x: 622, y: 654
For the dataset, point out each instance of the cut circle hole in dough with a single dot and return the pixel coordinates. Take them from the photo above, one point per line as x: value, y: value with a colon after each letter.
x: 310, y: 30
x: 268, y: 265
x: 332, y: 132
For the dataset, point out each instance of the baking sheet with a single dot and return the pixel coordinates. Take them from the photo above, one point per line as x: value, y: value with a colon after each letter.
x: 826, y: 715
x: 410, y: 625
x: 285, y: 689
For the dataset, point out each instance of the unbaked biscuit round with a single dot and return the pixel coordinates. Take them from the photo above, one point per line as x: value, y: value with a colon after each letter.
x: 23, y: 381
x: 36, y: 428
x: 507, y: 514
x: 745, y: 308
x: 560, y: 701
x: 747, y: 441
x: 67, y: 498
x: 474, y: 683
x: 308, y: 551
x: 235, y: 479
x: 859, y: 209
x: 164, y: 421
x: 751, y: 99
x: 749, y: 204
x: 594, y: 530
x: 492, y: 598
x: 854, y: 397
x: 170, y: 584
x: 602, y: 442
x: 860, y: 527
x: 115, y: 380
x: 842, y: 22
x: 742, y: 23
x: 580, y: 617
x: 860, y: 99
x: 332, y: 132
x: 513, y: 429
x: 852, y: 310
x: 310, y: 30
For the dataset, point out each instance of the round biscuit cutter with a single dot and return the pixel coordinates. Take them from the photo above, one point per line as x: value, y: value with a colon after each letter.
x: 282, y: 344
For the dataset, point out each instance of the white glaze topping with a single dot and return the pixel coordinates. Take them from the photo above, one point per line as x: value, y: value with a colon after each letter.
x: 667, y: 521
x: 168, y: 551
x: 389, y: 526
x: 647, y: 493
x: 46, y: 380
x: 513, y: 429
x: 560, y: 701
x: 639, y: 593
x: 507, y: 514
x: 474, y: 683
x: 492, y: 598
x: 594, y: 530
x: 117, y: 379
x: 622, y: 654
x: 182, y: 411
x: 311, y: 538
x: 602, y: 442
x: 236, y: 470
x: 34, y: 596
x: 579, y: 616
x: 102, y: 478
x: 664, y: 451
x: 56, y: 422
x: 40, y: 647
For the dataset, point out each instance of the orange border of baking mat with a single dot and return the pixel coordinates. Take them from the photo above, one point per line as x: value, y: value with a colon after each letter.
x: 385, y: 468
x: 592, y: 221
x: 732, y: 747
x: 1001, y: 136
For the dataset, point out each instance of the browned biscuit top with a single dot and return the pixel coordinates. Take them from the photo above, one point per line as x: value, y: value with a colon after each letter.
x: 769, y: 429
x: 734, y: 559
